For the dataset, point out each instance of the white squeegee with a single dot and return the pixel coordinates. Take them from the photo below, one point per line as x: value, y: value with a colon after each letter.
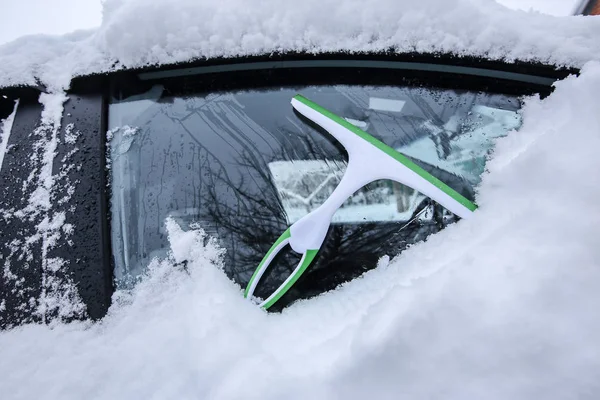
x: 369, y: 160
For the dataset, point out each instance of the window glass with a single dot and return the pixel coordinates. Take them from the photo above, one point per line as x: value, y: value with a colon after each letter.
x: 244, y: 166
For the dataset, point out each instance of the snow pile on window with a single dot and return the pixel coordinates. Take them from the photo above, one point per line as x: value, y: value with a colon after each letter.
x: 501, y: 306
x: 5, y: 129
x: 136, y: 33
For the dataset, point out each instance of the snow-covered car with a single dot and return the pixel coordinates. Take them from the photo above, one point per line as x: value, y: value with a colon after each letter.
x: 104, y: 140
x: 152, y: 167
x: 215, y: 144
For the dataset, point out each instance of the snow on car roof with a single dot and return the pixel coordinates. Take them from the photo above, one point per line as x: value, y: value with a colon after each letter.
x: 137, y: 33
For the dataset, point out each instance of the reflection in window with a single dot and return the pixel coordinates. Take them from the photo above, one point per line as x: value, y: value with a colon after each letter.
x: 244, y: 166
x: 303, y: 185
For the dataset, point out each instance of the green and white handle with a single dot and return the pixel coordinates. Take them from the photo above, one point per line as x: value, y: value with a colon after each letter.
x: 369, y: 160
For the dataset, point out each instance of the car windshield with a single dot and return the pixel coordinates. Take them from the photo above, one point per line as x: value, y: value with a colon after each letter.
x: 244, y: 166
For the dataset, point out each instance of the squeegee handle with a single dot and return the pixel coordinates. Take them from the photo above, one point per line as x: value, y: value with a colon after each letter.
x: 305, y: 261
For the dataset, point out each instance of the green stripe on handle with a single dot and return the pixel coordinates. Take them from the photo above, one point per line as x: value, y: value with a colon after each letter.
x: 284, y: 236
x: 305, y: 262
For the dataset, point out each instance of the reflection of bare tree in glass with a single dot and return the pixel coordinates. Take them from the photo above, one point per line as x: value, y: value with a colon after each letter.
x: 210, y: 159
x: 237, y: 200
x: 251, y: 219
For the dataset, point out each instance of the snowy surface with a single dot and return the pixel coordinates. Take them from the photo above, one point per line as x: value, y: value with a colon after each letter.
x: 56, y: 17
x: 552, y: 7
x: 136, y: 33
x: 501, y: 306
x: 5, y: 130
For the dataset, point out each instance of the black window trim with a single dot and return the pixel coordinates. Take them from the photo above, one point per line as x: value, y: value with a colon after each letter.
x: 349, y: 63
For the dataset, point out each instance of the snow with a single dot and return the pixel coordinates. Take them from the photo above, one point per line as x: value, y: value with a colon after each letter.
x: 500, y: 306
x: 27, y: 17
x: 43, y: 181
x: 71, y: 135
x: 552, y: 7
x: 5, y: 129
x: 136, y: 33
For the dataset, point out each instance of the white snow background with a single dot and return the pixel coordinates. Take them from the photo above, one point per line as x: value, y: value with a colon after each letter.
x: 501, y: 306
x: 552, y: 7
x: 56, y: 17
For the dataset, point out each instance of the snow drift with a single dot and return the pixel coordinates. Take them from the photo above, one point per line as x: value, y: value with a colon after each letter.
x: 503, y: 305
x: 136, y: 33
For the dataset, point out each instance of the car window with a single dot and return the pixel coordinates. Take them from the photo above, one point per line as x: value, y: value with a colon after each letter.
x: 244, y: 166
